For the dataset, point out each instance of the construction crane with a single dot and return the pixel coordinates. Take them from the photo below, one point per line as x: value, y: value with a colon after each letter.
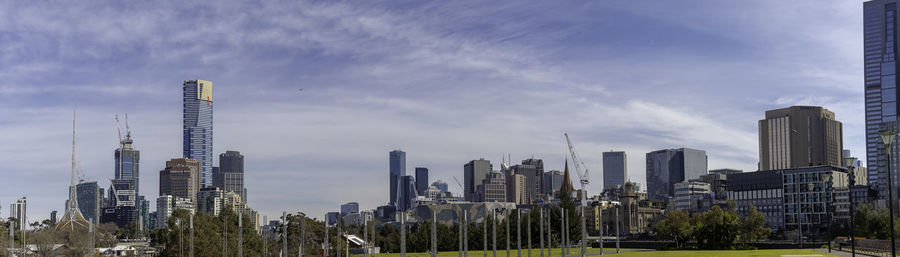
x: 583, y: 177
x: 460, y: 186
x: 119, y: 128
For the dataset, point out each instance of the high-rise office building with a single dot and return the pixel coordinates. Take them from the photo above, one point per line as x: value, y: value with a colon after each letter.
x: 421, y: 180
x: 351, y: 207
x: 197, y: 142
x: 553, y: 181
x: 615, y: 169
x: 397, y: 170
x: 441, y: 185
x: 128, y: 161
x: 180, y: 178
x: 53, y: 217
x: 90, y: 199
x: 880, y: 40
x: 229, y: 176
x: 516, y: 188
x: 407, y: 189
x: 492, y: 188
x: 799, y: 136
x: 667, y: 167
x: 534, y: 178
x: 17, y: 210
x: 474, y: 173
x: 167, y: 204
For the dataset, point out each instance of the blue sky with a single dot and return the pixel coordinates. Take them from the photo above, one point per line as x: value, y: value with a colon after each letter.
x: 446, y: 81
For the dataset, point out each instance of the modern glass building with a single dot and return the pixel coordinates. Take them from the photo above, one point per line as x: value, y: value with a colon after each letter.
x: 474, y: 173
x: 230, y: 174
x: 879, y: 42
x: 397, y: 170
x: 615, y: 169
x: 197, y: 143
x: 90, y: 198
x: 667, y: 167
x: 421, y: 180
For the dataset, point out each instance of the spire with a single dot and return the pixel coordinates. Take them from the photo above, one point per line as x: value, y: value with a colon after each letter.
x: 73, y: 215
x: 567, y: 181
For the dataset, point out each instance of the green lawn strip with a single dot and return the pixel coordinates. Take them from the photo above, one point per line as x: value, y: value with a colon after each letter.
x: 736, y: 253
x: 685, y: 253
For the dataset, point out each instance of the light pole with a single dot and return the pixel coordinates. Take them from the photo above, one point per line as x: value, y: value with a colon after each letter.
x: 617, y: 225
x: 191, y: 226
x: 848, y: 161
x: 494, y: 229
x: 528, y: 230
x: 403, y: 233
x: 460, y: 230
x: 888, y: 138
x: 484, y: 248
x: 541, y: 234
x: 433, y: 234
x: 240, y: 241
x: 519, y: 231
x: 506, y: 220
x: 325, y: 239
x: 466, y: 234
x: 562, y: 234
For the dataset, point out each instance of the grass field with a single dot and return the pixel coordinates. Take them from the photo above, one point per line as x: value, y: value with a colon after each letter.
x: 556, y: 253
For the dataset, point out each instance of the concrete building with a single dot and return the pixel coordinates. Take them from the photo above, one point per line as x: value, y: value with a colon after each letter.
x: 667, y: 167
x: 351, y: 207
x: 534, y: 179
x: 492, y: 188
x: 692, y: 196
x: 421, y: 180
x: 516, y: 188
x: 229, y: 176
x: 180, y: 178
x: 799, y: 136
x: 474, y: 172
x: 18, y: 211
x: 615, y: 168
x: 762, y: 189
x: 553, y: 181
x: 197, y: 126
x: 167, y: 204
x: 808, y: 197
x: 397, y: 169
x: 90, y: 199
x: 212, y: 200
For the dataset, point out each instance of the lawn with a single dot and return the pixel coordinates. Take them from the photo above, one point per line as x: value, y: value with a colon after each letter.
x: 556, y: 252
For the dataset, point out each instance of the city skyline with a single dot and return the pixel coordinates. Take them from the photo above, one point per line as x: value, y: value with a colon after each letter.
x: 306, y: 124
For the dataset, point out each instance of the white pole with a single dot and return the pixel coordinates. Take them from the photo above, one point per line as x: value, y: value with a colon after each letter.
x: 191, y: 252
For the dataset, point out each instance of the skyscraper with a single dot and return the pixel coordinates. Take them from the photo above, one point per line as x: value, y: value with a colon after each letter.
x: 17, y: 210
x: 180, y: 178
x: 799, y: 136
x: 474, y: 174
x: 397, y: 170
x: 880, y: 39
x: 667, y: 167
x: 553, y: 181
x: 348, y: 208
x: 197, y: 143
x: 90, y: 199
x: 230, y: 174
x: 615, y: 169
x: 534, y: 179
x: 128, y: 162
x: 407, y: 198
x: 421, y: 180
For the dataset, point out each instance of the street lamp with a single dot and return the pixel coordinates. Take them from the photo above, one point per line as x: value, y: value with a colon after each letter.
x: 494, y: 228
x: 888, y: 138
x: 848, y: 161
x: 519, y: 231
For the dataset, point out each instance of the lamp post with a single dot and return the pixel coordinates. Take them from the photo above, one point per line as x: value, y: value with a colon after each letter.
x: 848, y: 161
x: 466, y: 234
x: 618, y: 234
x: 494, y: 230
x: 888, y: 138
x: 506, y: 220
x: 528, y: 230
x: 519, y: 232
x: 433, y: 234
x: 541, y: 234
x: 484, y: 248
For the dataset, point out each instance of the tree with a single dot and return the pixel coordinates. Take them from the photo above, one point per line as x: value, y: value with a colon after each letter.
x: 753, y: 227
x: 676, y: 226
x: 716, y: 229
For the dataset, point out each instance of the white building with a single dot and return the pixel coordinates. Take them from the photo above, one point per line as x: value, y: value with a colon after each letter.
x: 689, y: 194
x: 167, y: 204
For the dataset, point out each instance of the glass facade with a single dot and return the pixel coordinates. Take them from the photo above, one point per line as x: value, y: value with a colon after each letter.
x: 614, y: 169
x: 667, y: 167
x: 879, y: 42
x: 198, y: 126
x: 397, y: 170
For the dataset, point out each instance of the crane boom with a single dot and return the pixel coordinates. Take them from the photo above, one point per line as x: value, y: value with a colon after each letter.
x: 459, y: 184
x: 119, y: 128
x: 583, y: 174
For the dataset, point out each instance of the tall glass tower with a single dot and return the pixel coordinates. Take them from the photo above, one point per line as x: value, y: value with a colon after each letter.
x: 198, y: 129
x: 397, y: 170
x: 880, y: 43
x: 128, y: 162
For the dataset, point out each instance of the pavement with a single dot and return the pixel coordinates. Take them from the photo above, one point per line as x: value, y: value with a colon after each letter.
x: 841, y: 253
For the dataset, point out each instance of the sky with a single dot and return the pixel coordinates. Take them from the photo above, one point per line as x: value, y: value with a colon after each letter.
x: 315, y: 94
